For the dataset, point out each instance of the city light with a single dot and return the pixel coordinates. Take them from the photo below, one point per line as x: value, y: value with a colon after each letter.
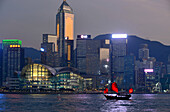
x: 148, y: 70
x: 119, y: 35
x: 106, y: 66
x: 42, y: 49
x: 15, y: 46
x: 107, y: 60
x: 84, y: 36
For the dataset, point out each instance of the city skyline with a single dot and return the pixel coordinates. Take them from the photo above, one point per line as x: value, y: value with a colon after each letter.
x: 147, y: 19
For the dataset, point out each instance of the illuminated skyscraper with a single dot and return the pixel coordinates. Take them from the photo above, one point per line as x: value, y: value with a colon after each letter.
x: 64, y: 30
x: 118, y: 51
x: 13, y: 57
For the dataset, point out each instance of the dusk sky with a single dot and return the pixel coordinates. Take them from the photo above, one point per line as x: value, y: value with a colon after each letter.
x: 27, y: 20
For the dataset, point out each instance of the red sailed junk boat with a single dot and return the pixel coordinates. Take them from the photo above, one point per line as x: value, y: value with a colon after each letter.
x: 118, y: 95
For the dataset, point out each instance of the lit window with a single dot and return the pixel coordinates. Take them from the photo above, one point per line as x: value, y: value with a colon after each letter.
x: 107, y: 41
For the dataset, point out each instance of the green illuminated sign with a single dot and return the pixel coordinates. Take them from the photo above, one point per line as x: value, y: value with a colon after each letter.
x: 8, y: 42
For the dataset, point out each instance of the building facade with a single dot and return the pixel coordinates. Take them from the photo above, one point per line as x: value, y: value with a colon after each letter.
x: 40, y: 76
x: 129, y: 69
x: 118, y: 51
x: 81, y: 52
x: 49, y: 51
x: 65, y: 31
x: 13, y: 58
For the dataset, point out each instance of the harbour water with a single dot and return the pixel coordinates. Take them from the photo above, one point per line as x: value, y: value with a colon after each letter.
x: 83, y: 103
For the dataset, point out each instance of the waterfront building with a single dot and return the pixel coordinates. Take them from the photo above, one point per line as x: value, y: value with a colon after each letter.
x: 65, y: 31
x: 88, y: 83
x: 140, y: 79
x: 40, y: 76
x: 129, y: 72
x: 69, y: 78
x: 92, y: 55
x: 150, y: 79
x: 104, y: 53
x: 118, y: 51
x: 81, y: 52
x: 165, y: 82
x: 13, y: 58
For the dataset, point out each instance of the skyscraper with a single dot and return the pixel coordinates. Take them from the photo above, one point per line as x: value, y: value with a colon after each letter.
x: 104, y: 53
x: 118, y: 51
x: 129, y: 69
x: 64, y: 30
x: 13, y: 57
x: 49, y: 48
x: 81, y: 57
x: 144, y: 52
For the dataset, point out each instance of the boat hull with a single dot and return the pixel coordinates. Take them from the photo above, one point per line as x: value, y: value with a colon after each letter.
x: 117, y: 97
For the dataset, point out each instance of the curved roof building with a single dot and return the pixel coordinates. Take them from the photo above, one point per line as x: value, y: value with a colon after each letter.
x: 36, y: 76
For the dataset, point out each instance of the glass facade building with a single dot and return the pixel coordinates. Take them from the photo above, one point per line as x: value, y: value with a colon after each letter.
x: 118, y: 51
x: 39, y: 76
x: 68, y: 78
x: 129, y: 75
x: 65, y: 33
x: 81, y: 57
x: 13, y: 57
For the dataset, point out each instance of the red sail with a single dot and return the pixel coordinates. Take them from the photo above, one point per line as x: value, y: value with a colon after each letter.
x: 114, y: 87
x: 105, y: 91
x: 130, y: 90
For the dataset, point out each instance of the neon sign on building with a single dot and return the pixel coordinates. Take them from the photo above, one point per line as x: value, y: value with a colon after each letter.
x: 119, y: 35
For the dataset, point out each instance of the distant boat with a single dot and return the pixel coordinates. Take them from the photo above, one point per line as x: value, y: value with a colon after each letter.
x: 119, y: 95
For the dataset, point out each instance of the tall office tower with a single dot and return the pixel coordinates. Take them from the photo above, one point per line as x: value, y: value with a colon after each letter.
x: 104, y: 53
x: 118, y: 51
x: 93, y: 57
x: 64, y: 29
x: 0, y: 64
x: 49, y: 54
x: 81, y: 48
x: 144, y: 52
x: 129, y: 76
x: 13, y: 57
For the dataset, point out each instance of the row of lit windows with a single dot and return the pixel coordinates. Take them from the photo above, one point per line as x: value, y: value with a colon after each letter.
x: 13, y: 46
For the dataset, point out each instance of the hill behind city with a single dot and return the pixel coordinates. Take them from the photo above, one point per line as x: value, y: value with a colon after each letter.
x: 156, y: 49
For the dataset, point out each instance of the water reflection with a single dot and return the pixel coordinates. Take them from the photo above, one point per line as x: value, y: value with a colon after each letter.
x: 83, y: 103
x: 116, y: 105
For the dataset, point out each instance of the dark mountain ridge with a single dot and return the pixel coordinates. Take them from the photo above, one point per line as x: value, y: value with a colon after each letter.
x: 156, y: 49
